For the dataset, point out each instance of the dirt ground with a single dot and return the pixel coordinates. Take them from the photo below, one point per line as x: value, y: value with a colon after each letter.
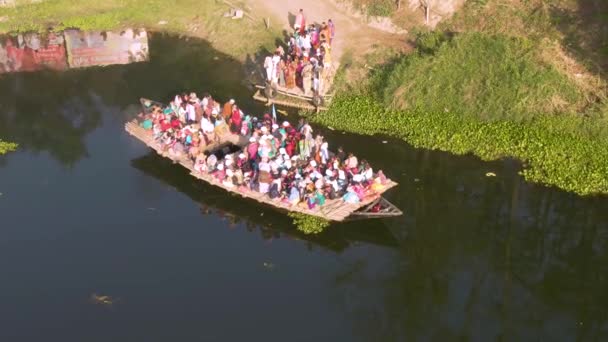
x: 352, y: 34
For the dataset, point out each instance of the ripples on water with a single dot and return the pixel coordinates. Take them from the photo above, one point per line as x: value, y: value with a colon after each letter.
x: 86, y: 209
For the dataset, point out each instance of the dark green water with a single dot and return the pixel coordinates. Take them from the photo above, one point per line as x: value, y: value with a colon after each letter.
x: 87, y: 209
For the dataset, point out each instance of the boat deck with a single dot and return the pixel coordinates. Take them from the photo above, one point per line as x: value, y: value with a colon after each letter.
x: 333, y: 210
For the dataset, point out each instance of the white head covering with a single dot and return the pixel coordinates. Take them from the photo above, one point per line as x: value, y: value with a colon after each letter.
x: 232, y: 101
x: 285, y: 124
x: 252, y: 139
x: 282, y: 151
x: 275, y: 126
x: 319, y: 183
x: 328, y: 173
x: 220, y: 166
x: 313, y: 163
x: 357, y: 178
x: 242, y: 155
x: 341, y: 174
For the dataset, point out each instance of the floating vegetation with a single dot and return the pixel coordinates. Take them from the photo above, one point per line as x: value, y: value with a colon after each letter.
x: 6, y: 147
x: 309, y: 224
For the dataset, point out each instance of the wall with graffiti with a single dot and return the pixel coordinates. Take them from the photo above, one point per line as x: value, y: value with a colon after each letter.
x: 71, y: 49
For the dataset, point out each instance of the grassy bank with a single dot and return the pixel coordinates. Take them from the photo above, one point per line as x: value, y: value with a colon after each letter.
x: 490, y: 95
x: 485, y: 76
x: 192, y: 17
x: 6, y: 147
x: 503, y: 78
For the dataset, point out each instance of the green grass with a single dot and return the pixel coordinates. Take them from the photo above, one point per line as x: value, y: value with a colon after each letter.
x: 235, y: 37
x: 486, y: 76
x: 380, y: 8
x: 6, y: 147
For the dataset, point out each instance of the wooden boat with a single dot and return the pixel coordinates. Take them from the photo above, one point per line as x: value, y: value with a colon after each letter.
x: 373, y: 206
x: 291, y: 99
x: 295, y: 98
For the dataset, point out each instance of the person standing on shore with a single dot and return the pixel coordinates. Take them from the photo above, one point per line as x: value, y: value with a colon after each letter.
x: 332, y: 30
x: 307, y: 77
x: 300, y: 24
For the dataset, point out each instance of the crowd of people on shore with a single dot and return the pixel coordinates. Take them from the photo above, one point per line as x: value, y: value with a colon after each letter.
x: 287, y: 162
x: 307, y: 63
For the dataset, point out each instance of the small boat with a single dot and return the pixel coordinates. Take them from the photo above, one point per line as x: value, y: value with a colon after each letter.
x: 295, y: 98
x: 275, y: 95
x: 372, y: 206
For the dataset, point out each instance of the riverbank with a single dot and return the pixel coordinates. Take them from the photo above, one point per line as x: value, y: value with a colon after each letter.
x: 506, y: 89
x: 201, y: 19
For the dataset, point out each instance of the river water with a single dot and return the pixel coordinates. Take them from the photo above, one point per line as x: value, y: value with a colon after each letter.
x: 87, y: 210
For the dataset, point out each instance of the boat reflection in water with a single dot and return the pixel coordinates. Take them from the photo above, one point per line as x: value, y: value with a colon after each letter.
x: 271, y: 224
x: 71, y: 49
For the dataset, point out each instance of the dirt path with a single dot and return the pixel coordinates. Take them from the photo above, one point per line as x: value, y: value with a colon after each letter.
x: 351, y: 33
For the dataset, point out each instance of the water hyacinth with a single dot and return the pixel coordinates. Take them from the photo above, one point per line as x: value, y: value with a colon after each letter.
x: 309, y: 224
x: 6, y: 147
x: 554, y: 155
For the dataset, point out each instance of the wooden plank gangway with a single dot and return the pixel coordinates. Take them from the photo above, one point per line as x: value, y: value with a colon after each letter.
x: 295, y: 98
x: 287, y: 100
x: 333, y: 210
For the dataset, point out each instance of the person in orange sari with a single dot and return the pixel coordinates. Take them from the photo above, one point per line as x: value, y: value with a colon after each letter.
x: 290, y: 74
x: 325, y: 33
x: 227, y: 111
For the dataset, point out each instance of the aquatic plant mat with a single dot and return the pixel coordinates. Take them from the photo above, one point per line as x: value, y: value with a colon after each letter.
x: 333, y: 210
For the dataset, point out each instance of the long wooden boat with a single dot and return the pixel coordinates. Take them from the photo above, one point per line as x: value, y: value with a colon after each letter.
x: 373, y: 206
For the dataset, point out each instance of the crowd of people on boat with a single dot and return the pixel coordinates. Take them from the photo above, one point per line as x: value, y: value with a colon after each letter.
x: 307, y: 63
x: 287, y: 162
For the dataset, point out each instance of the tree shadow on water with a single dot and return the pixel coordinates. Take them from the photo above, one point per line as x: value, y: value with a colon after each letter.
x: 54, y: 111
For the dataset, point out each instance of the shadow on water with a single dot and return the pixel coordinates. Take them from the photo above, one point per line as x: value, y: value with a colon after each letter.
x: 53, y: 111
x: 271, y: 224
x: 539, y: 254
